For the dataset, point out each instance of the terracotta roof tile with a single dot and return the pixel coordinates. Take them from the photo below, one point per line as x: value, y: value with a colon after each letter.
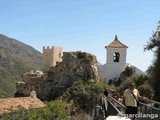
x: 116, y: 44
x: 12, y: 104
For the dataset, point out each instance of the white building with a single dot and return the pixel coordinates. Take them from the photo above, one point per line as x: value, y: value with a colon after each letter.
x: 116, y: 59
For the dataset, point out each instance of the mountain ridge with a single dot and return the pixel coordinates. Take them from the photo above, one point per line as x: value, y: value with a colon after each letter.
x: 16, y: 58
x: 17, y: 50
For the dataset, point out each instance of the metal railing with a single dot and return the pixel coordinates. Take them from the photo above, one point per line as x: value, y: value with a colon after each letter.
x: 117, y: 105
x: 148, y: 109
x: 112, y: 107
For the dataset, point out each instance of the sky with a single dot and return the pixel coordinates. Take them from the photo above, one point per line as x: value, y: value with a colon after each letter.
x: 83, y: 25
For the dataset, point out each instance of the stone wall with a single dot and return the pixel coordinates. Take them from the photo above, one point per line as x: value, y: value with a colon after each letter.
x: 51, y: 55
x: 75, y: 66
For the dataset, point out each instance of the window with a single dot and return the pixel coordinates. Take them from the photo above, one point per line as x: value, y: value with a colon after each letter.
x: 116, y: 57
x: 60, y: 55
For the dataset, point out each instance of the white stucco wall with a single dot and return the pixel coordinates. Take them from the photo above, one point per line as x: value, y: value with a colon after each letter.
x: 113, y: 69
x: 111, y: 51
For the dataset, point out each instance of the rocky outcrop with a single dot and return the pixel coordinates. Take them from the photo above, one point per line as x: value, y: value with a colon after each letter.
x: 75, y: 66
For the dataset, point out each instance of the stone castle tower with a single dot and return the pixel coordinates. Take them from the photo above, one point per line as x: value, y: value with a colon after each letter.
x: 116, y: 59
x: 51, y: 55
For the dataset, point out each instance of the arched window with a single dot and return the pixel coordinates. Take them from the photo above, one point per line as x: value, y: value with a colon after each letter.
x: 116, y: 57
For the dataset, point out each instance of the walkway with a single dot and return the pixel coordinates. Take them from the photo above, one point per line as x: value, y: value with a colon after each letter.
x: 114, y: 110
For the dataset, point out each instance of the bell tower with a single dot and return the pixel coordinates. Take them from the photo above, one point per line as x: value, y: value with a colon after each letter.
x: 115, y: 58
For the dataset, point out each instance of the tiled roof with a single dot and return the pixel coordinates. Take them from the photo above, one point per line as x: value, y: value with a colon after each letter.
x: 116, y: 44
x: 12, y: 104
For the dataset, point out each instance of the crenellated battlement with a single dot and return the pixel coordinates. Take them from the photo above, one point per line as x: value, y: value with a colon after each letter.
x: 47, y: 47
x: 51, y: 47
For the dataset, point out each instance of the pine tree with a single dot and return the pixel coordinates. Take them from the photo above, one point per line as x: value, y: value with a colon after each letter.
x: 154, y: 43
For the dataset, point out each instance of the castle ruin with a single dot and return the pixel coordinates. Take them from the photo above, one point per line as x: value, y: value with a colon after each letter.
x: 51, y: 56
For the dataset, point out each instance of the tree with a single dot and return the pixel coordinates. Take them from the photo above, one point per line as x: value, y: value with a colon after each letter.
x: 129, y: 71
x: 154, y: 43
x: 84, y: 95
x: 142, y: 83
x: 149, y: 71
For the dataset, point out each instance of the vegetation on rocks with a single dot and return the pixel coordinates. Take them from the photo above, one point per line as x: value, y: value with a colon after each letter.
x: 84, y: 95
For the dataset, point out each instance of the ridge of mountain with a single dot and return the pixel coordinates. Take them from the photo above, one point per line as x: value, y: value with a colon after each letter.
x: 16, y: 58
x: 16, y: 50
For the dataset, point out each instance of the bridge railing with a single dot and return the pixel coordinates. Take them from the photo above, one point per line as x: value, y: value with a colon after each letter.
x: 146, y: 107
x: 112, y: 107
x: 119, y: 107
x: 149, y: 107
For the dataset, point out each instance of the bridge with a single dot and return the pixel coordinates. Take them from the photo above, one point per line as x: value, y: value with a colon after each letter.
x: 112, y: 109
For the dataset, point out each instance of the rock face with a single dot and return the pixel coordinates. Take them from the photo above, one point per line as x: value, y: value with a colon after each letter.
x: 74, y: 66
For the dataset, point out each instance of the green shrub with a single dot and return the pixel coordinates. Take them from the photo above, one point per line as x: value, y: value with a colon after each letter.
x: 146, y: 90
x: 84, y: 95
x: 142, y: 83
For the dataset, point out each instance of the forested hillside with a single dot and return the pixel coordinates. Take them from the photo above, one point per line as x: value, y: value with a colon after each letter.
x: 16, y: 58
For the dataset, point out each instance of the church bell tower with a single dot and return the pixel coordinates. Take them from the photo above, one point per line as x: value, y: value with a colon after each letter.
x: 116, y: 59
